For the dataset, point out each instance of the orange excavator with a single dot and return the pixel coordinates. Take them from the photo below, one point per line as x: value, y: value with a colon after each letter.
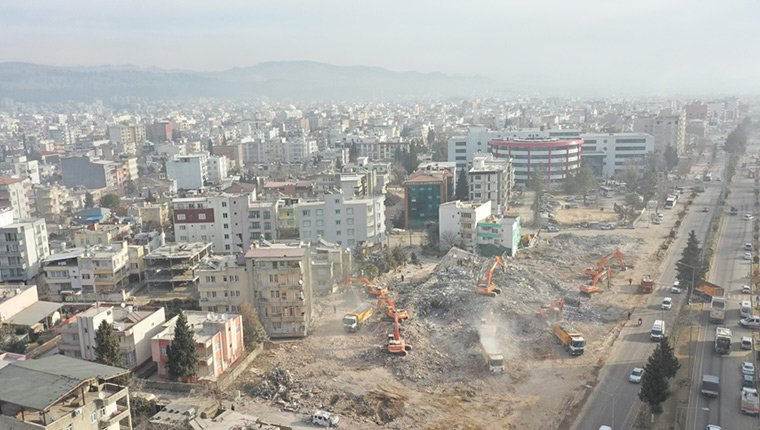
x: 555, y: 308
x: 391, y: 310
x: 485, y: 285
x: 592, y: 272
x: 591, y: 286
x: 396, y: 344
x: 372, y: 289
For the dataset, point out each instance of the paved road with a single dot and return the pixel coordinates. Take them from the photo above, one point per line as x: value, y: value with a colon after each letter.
x: 730, y: 271
x: 613, y: 400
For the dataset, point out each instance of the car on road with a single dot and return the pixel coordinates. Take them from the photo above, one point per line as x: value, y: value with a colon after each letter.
x: 752, y: 321
x: 748, y: 217
x: 713, y: 427
x: 746, y: 342
x: 748, y: 381
x: 667, y: 303
x: 747, y: 256
x: 676, y: 288
x: 748, y: 246
x: 656, y: 220
x: 325, y: 419
x: 748, y: 368
x: 705, y: 209
x: 635, y: 375
x: 746, y: 289
x: 552, y: 228
x: 607, y: 226
x: 605, y: 428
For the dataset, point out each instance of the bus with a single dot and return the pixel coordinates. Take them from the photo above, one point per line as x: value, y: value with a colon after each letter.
x: 671, y: 201
x: 718, y: 309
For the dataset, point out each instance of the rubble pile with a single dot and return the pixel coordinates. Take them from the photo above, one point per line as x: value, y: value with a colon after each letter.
x: 276, y: 385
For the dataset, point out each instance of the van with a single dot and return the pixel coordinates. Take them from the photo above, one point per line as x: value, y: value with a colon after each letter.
x: 745, y: 309
x: 658, y: 331
x: 325, y: 419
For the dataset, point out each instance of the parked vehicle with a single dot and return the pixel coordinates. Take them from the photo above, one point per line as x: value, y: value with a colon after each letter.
x: 748, y: 368
x: 748, y: 217
x: 747, y: 256
x: 748, y: 381
x: 752, y: 321
x: 552, y: 228
x: 746, y: 342
x: 746, y: 289
x: 745, y: 308
x: 325, y: 419
x: 750, y: 401
x: 748, y: 246
x: 636, y: 375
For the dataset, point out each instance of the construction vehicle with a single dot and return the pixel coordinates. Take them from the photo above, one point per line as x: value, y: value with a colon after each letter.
x: 647, y: 284
x: 718, y: 310
x: 750, y: 401
x: 353, y: 321
x: 570, y: 338
x: 490, y: 345
x: 722, y: 340
x: 396, y: 344
x: 618, y: 255
x: 391, y: 310
x: 591, y: 286
x: 707, y: 291
x: 556, y: 307
x: 485, y: 285
x: 372, y: 289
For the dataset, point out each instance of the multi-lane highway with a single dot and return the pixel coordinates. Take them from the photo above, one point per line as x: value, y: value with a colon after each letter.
x: 613, y: 401
x: 730, y: 271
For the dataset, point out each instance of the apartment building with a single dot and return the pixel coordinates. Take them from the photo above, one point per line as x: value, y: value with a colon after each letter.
x: 223, y: 283
x: 20, y: 307
x: 554, y: 158
x: 160, y: 131
x: 189, y: 171
x: 424, y: 192
x: 51, y: 202
x: 217, y: 169
x: 23, y: 246
x: 104, y: 269
x: 491, y: 180
x: 14, y: 194
x: 608, y: 153
x: 667, y: 127
x: 299, y: 189
x: 154, y: 216
x: 346, y: 222
x: 221, y: 218
x: 63, y: 393
x: 127, y: 137
x: 457, y: 223
x: 134, y: 328
x: 218, y: 339
x: 173, y: 267
x: 499, y: 235
x: 100, y: 234
x: 90, y: 173
x: 61, y: 271
x: 282, y: 288
x: 379, y: 151
x: 331, y: 265
x: 21, y: 167
x: 262, y: 222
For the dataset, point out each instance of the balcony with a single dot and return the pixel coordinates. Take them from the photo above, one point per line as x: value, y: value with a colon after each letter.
x: 119, y: 414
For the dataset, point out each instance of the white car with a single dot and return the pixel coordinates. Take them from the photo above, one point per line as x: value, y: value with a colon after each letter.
x: 747, y: 256
x: 713, y: 427
x: 676, y: 288
x: 552, y: 228
x: 325, y: 419
x: 748, y: 217
x: 748, y: 368
x: 635, y: 375
x: 746, y: 342
x: 748, y: 246
x: 752, y: 322
x: 746, y: 289
x: 667, y: 303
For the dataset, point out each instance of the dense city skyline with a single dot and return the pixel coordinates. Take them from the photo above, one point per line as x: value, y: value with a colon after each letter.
x: 587, y: 47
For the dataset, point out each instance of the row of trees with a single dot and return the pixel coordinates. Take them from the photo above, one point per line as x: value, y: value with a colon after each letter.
x: 379, y: 263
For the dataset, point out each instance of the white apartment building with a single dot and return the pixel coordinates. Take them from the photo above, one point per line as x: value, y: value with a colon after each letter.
x: 133, y: 327
x: 223, y: 283
x: 128, y: 138
x: 61, y: 271
x: 14, y: 194
x: 491, y: 180
x: 221, y: 219
x: 378, y: 151
x: 23, y: 246
x: 346, y: 222
x: 668, y: 129
x: 499, y: 235
x: 104, y: 269
x: 262, y: 222
x: 20, y: 166
x: 217, y: 169
x: 608, y: 153
x: 189, y: 171
x: 458, y: 223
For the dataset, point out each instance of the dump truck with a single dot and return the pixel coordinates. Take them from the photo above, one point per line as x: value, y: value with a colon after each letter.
x: 710, y: 386
x: 707, y: 290
x: 490, y: 345
x: 750, y: 401
x: 647, y: 284
x: 570, y: 338
x: 723, y: 340
x: 353, y: 321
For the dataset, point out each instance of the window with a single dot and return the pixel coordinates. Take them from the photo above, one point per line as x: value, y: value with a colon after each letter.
x: 256, y: 225
x: 93, y: 417
x: 163, y: 350
x: 202, y: 217
x: 350, y: 221
x: 350, y: 232
x: 226, y: 226
x: 320, y: 212
x: 224, y: 215
x: 224, y: 204
x: 307, y: 223
x: 181, y: 217
x: 305, y: 212
x: 350, y: 211
x: 267, y: 215
x: 183, y: 227
x: 337, y: 222
x: 337, y: 211
x: 226, y: 236
x: 267, y: 225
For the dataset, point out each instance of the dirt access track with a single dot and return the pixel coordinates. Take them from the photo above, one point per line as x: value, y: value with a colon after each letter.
x: 444, y: 382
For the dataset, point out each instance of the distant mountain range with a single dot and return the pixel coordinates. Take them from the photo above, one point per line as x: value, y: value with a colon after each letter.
x: 283, y: 80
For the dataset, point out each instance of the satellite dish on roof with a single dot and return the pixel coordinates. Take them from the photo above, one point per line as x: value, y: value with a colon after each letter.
x: 123, y: 305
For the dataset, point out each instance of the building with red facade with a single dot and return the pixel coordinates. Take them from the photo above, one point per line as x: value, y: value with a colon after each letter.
x: 555, y: 159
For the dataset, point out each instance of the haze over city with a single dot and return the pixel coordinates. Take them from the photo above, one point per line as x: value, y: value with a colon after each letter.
x: 586, y: 47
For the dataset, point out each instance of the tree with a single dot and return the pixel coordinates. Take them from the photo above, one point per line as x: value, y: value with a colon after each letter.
x: 130, y: 188
x: 585, y: 181
x: 571, y: 184
x: 537, y: 181
x: 691, y: 268
x: 654, y: 385
x: 253, y: 332
x: 107, y: 346
x: 413, y: 259
x: 671, y: 157
x: 89, y: 201
x: 431, y: 235
x: 399, y: 257
x: 448, y: 240
x: 110, y: 201
x: 183, y: 357
x: 462, y: 189
x: 353, y: 152
x: 631, y: 175
x: 666, y: 358
x: 150, y: 198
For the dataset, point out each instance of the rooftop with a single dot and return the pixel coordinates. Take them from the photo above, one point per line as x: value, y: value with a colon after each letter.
x: 197, y: 320
x: 9, y: 291
x: 33, y: 314
x: 178, y: 250
x: 8, y: 180
x: 276, y: 251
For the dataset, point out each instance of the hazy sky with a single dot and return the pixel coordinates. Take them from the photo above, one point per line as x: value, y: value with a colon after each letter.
x: 617, y: 45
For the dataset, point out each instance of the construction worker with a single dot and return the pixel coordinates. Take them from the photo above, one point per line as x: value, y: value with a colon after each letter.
x: 402, y: 278
x: 629, y: 315
x: 630, y: 281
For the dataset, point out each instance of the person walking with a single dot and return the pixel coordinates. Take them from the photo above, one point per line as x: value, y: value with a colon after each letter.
x: 335, y: 310
x: 629, y: 315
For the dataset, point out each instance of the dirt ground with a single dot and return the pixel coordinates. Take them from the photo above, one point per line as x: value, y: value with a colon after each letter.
x: 579, y: 215
x: 444, y: 383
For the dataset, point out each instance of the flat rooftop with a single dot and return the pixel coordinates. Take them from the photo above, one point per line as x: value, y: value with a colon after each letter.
x: 178, y: 250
